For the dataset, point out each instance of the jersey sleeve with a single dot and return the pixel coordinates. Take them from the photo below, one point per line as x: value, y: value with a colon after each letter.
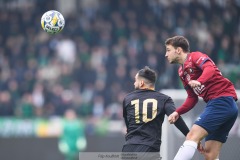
x: 189, y: 103
x: 180, y: 124
x: 208, y: 72
x: 203, y: 62
x: 199, y: 59
x: 169, y: 106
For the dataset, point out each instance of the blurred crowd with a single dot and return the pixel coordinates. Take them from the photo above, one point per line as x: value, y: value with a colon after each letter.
x: 90, y: 66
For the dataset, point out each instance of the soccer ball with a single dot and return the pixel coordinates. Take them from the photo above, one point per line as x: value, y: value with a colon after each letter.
x: 52, y: 22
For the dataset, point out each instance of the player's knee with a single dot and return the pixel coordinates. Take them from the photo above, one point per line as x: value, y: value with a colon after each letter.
x: 193, y: 137
x: 196, y: 134
x: 189, y: 136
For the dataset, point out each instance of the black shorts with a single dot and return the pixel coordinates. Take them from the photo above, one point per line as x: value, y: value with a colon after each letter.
x: 140, y: 152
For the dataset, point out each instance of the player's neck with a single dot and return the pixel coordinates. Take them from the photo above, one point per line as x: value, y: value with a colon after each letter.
x: 149, y: 88
x: 183, y: 58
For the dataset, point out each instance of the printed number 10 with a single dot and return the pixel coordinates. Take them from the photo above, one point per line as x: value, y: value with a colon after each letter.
x: 144, y: 109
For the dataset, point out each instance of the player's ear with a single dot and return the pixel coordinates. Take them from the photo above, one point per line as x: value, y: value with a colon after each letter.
x: 179, y: 49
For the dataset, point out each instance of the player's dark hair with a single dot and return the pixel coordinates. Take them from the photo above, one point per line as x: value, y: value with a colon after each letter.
x: 178, y: 41
x: 148, y: 74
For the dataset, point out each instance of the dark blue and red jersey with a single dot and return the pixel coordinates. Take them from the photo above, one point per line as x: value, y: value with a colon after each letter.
x: 200, y: 67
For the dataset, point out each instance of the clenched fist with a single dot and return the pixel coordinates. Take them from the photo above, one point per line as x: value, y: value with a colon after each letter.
x: 194, y: 83
x: 172, y: 118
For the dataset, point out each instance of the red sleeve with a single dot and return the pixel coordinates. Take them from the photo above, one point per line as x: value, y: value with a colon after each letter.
x: 208, y: 72
x: 189, y: 103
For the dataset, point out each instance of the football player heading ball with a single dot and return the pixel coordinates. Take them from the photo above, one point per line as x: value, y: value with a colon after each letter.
x: 201, y: 78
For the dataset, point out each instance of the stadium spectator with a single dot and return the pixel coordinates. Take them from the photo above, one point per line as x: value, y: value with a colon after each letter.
x: 108, y: 41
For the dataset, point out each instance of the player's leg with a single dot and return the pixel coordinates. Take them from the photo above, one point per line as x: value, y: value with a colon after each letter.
x: 217, y: 119
x: 215, y: 140
x: 225, y: 115
x: 187, y: 150
x: 212, y: 149
x: 195, y: 135
x: 200, y: 129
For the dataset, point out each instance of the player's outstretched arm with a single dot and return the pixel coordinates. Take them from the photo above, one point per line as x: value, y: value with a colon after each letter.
x: 170, y: 111
x: 181, y: 125
x: 189, y: 103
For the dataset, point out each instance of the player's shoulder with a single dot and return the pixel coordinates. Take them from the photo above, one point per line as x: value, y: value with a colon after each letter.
x: 196, y: 53
x: 163, y: 95
x: 198, y: 58
x: 193, y: 56
x: 145, y: 93
x: 131, y: 94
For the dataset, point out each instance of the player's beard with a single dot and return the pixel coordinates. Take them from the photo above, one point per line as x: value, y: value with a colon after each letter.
x: 175, y: 60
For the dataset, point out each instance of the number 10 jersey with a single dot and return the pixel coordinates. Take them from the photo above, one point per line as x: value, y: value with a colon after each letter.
x: 144, y: 112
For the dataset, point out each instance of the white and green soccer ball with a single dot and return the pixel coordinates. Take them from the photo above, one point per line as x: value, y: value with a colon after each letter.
x: 52, y: 22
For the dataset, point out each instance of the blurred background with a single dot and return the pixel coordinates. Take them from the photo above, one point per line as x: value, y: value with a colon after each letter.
x: 85, y: 71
